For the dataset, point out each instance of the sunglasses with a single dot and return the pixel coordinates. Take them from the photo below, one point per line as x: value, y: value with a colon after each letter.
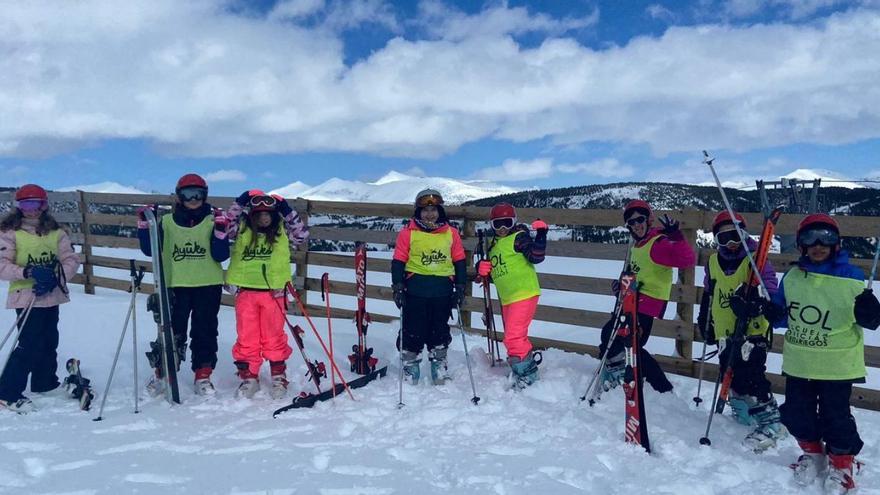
x: 632, y: 222
x: 30, y: 205
x: 193, y: 194
x: 267, y: 201
x: 727, y: 238
x: 825, y: 237
x: 429, y: 200
x: 502, y: 223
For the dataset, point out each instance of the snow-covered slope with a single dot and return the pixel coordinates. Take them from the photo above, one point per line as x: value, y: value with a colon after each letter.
x: 105, y: 187
x: 394, y: 187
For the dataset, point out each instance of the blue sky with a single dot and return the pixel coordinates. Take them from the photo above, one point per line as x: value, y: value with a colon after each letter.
x: 547, y: 94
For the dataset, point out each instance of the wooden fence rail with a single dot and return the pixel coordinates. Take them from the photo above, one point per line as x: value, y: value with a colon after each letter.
x: 83, y: 210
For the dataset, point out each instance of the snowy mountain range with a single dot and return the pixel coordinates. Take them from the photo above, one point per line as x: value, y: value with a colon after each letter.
x: 105, y: 187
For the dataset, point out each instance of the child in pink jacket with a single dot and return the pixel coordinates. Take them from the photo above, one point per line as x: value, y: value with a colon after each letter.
x: 37, y: 258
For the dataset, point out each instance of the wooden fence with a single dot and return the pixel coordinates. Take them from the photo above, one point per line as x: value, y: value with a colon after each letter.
x: 81, y: 212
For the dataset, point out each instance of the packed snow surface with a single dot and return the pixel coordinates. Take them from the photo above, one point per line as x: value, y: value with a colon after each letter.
x: 542, y: 440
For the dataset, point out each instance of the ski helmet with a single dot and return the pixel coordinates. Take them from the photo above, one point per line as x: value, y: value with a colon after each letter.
x: 262, y: 202
x: 502, y: 210
x: 723, y: 218
x: 818, y: 221
x: 428, y: 197
x: 31, y: 191
x: 641, y: 206
x: 191, y: 180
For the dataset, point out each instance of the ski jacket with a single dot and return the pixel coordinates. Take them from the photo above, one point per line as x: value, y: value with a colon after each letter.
x: 673, y: 251
x: 184, y: 218
x: 513, y: 270
x: 446, y: 241
x: 10, y: 270
x: 823, y: 341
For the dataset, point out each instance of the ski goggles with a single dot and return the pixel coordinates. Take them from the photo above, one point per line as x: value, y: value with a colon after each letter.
x: 429, y: 200
x: 503, y: 223
x: 193, y: 194
x: 632, y: 222
x: 825, y: 237
x: 727, y: 238
x: 30, y: 205
x: 263, y: 202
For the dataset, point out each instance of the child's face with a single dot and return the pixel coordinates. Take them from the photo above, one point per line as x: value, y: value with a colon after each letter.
x: 264, y: 219
x: 637, y: 223
x: 430, y: 214
x: 818, y: 253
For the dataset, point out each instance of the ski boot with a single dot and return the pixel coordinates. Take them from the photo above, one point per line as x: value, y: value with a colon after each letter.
x: 524, y: 371
x: 768, y: 427
x: 20, y: 406
x: 250, y: 383
x: 840, y: 474
x: 202, y: 384
x: 279, y: 379
x: 439, y: 369
x: 811, y: 464
x: 741, y: 405
x: 612, y: 373
x: 180, y: 346
x: 411, y: 366
x: 156, y: 384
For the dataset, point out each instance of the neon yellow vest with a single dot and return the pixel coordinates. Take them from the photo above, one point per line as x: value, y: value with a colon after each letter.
x: 32, y: 249
x: 430, y: 253
x: 246, y: 263
x: 723, y: 318
x: 514, y: 276
x: 186, y: 254
x: 823, y: 341
x: 655, y: 279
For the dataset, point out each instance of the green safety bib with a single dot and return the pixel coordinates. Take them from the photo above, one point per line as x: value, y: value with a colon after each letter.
x: 247, y: 262
x: 514, y: 276
x: 723, y: 318
x: 32, y: 249
x: 655, y: 279
x: 823, y: 340
x: 430, y: 253
x: 186, y: 254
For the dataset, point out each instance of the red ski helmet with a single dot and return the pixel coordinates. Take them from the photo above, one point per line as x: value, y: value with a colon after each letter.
x: 31, y: 191
x: 641, y: 206
x: 191, y: 180
x: 821, y: 224
x: 723, y: 218
x: 817, y: 219
x: 502, y: 210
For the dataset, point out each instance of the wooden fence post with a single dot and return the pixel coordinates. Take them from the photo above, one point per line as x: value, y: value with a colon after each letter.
x: 88, y: 268
x: 684, y: 347
x: 301, y: 271
x: 469, y: 231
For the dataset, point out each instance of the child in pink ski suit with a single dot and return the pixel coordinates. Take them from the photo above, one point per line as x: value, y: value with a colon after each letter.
x: 512, y: 256
x: 259, y: 271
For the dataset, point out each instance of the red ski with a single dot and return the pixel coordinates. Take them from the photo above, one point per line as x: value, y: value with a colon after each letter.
x: 636, y: 426
x: 361, y: 359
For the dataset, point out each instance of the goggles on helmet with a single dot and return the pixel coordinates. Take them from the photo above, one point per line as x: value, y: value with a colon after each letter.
x: 30, y: 205
x: 429, y: 200
x: 193, y: 193
x: 502, y: 223
x: 727, y: 238
x: 264, y: 201
x: 632, y: 222
x: 825, y: 237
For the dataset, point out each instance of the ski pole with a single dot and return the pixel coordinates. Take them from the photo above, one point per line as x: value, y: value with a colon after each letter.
x: 697, y: 399
x: 20, y: 322
x: 400, y: 353
x: 475, y: 399
x: 742, y: 236
x: 873, y: 266
x: 132, y: 309
x: 325, y: 295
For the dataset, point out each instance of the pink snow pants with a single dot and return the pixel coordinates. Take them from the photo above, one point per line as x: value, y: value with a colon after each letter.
x: 517, y: 318
x: 259, y: 323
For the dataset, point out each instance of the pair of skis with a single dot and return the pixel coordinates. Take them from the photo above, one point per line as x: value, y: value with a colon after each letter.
x: 492, y: 339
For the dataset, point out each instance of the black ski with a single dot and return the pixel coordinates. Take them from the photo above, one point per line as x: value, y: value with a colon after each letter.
x: 305, y: 400
x: 162, y: 355
x: 78, y: 387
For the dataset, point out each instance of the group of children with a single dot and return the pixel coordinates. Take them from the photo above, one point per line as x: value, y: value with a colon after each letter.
x: 821, y: 301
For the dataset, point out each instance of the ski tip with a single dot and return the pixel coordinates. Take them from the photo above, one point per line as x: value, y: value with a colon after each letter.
x: 705, y: 441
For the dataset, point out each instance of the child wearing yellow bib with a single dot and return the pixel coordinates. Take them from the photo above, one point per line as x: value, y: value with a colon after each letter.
x: 36, y: 256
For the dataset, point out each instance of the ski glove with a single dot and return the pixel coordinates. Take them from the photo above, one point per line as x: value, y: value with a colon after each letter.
x: 747, y: 306
x: 142, y: 216
x: 44, y: 277
x: 283, y: 206
x: 706, y: 328
x: 670, y: 226
x: 540, y: 226
x: 615, y: 287
x: 867, y: 310
x: 484, y: 268
x: 457, y: 297
x: 221, y: 222
x: 399, y: 294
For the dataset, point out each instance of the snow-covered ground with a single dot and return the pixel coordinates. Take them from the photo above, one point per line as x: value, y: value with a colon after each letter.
x: 541, y: 440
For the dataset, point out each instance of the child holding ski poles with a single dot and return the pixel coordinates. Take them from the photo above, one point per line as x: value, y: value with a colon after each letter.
x: 265, y: 229
x: 653, y: 255
x: 728, y: 269
x: 513, y: 255
x: 37, y: 258
x: 428, y: 275
x: 193, y: 244
x: 823, y: 303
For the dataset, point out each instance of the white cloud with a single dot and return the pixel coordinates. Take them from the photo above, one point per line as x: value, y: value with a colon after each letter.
x: 226, y: 176
x: 659, y: 12
x: 793, y: 9
x: 605, y: 167
x: 513, y: 170
x: 194, y: 79
x: 295, y: 9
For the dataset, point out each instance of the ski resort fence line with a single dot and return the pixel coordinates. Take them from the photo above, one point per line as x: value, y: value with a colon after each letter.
x: 82, y: 213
